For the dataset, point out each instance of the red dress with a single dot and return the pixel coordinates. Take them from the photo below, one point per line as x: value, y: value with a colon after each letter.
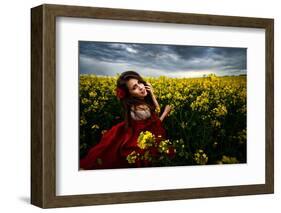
x: 118, y: 142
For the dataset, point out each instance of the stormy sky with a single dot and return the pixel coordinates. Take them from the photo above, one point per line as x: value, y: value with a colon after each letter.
x: 105, y: 58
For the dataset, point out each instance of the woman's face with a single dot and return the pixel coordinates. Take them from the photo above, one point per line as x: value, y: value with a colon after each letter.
x: 136, y: 88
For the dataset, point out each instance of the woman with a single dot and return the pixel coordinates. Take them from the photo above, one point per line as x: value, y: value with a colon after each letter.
x: 141, y: 114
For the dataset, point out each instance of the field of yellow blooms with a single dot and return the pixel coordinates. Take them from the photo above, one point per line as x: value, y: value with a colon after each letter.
x: 207, y: 124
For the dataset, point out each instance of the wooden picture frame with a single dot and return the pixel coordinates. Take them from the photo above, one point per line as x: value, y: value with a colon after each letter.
x: 43, y: 105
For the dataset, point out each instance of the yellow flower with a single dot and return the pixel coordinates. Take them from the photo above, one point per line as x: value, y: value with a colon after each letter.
x: 200, y: 157
x: 220, y: 110
x: 103, y: 131
x: 229, y: 160
x: 145, y: 140
x: 131, y: 158
x: 92, y: 94
x: 95, y: 126
x: 164, y: 146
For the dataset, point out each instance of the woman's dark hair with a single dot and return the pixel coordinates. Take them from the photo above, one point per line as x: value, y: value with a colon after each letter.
x: 128, y: 101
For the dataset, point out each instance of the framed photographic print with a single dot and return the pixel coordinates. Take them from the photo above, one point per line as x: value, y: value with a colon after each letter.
x: 168, y: 105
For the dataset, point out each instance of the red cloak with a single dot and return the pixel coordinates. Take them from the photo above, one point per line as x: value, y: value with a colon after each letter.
x: 118, y: 142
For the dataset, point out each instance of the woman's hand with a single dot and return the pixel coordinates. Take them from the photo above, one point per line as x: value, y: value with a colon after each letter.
x: 166, y: 112
x: 149, y: 88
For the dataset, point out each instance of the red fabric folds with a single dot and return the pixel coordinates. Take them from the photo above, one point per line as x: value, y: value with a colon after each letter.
x: 118, y: 142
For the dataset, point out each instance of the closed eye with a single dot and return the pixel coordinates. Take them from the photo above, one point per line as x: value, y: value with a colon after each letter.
x: 134, y: 87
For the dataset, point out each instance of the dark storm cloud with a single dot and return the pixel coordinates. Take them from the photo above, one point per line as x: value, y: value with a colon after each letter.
x: 106, y: 58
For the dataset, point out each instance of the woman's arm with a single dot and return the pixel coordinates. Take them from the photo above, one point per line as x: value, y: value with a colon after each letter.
x: 150, y: 89
x: 166, y: 112
x: 167, y: 108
